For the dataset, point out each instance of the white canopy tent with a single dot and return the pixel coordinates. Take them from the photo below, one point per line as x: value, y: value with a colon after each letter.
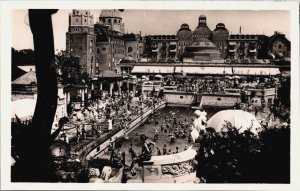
x: 238, y: 118
x: 203, y: 70
x: 255, y: 71
x: 153, y: 69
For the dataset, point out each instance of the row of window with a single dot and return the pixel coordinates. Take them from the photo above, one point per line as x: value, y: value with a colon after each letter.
x: 279, y: 46
x: 201, y: 36
x: 110, y: 21
x: 77, y: 12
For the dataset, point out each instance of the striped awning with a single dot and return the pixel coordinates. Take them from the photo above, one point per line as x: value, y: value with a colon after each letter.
x: 153, y: 69
x: 228, y: 70
x: 204, y: 70
x: 255, y: 71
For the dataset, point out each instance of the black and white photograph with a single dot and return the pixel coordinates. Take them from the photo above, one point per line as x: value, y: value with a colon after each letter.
x: 129, y: 94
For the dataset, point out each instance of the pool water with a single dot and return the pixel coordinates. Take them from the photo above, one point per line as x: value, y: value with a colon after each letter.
x: 148, y: 128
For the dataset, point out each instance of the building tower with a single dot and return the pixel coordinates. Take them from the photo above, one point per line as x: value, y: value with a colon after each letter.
x: 185, y: 38
x: 202, y: 30
x: 80, y: 39
x: 110, y: 46
x: 112, y: 19
x: 219, y: 38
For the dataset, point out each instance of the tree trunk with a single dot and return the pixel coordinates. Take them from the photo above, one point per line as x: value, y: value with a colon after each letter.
x: 34, y: 163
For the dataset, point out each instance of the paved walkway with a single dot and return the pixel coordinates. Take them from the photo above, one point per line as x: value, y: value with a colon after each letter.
x: 82, y: 146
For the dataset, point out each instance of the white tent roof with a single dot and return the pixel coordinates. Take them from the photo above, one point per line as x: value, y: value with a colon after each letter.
x: 153, y: 69
x: 203, y: 70
x: 255, y: 71
x: 228, y: 70
x: 238, y: 118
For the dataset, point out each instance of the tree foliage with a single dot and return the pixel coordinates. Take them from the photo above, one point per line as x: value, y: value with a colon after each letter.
x: 233, y: 157
x: 70, y: 69
x: 22, y: 57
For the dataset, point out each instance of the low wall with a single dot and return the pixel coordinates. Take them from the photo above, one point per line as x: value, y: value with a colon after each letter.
x: 96, y: 148
x: 179, y: 98
x: 219, y: 100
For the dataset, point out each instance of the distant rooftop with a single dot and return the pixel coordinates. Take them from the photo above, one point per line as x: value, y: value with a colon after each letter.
x: 27, y: 68
x: 26, y: 79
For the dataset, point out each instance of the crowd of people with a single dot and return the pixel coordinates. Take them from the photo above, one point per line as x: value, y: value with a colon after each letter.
x: 217, y: 84
x: 106, y: 115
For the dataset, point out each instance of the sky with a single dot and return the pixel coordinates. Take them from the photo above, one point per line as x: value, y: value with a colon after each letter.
x: 161, y: 22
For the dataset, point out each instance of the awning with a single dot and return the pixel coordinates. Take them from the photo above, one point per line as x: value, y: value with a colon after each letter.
x: 227, y: 70
x: 153, y: 69
x: 203, y: 70
x: 255, y: 71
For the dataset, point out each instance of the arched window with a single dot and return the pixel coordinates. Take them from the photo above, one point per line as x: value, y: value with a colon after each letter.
x: 129, y: 49
x: 109, y: 20
x: 115, y: 21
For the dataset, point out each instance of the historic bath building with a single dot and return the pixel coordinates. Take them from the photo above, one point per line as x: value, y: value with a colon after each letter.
x: 101, y: 45
x: 217, y: 39
x: 81, y: 38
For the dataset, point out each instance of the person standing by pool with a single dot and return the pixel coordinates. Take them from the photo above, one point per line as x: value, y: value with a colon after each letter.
x: 158, y: 151
x: 155, y: 135
x: 110, y: 125
x: 165, y: 149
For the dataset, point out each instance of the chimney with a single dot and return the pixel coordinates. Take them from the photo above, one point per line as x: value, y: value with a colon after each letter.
x: 240, y: 30
x: 140, y: 33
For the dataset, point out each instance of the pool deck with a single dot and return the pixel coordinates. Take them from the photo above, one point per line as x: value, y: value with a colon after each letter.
x: 93, y: 145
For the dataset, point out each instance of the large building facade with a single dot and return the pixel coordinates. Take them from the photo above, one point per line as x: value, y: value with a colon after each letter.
x: 80, y: 38
x: 246, y: 46
x: 160, y: 48
x: 219, y: 38
x: 103, y: 45
x: 279, y: 45
x: 185, y: 38
x: 216, y: 39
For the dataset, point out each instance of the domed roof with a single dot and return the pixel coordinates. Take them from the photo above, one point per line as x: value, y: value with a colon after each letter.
x: 201, y: 32
x: 115, y: 13
x: 202, y: 17
x: 184, y: 27
x: 240, y: 119
x: 220, y: 26
x: 202, y: 42
x: 201, y: 29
